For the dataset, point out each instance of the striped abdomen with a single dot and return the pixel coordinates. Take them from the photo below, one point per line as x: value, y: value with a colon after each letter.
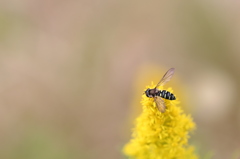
x: 166, y: 95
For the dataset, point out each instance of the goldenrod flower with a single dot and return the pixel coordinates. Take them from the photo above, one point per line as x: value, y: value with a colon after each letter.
x: 161, y: 135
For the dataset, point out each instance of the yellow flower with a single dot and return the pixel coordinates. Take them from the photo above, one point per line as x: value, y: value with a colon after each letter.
x: 161, y: 135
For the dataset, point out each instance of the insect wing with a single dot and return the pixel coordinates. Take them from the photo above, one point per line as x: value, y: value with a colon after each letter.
x: 160, y: 104
x: 168, y: 75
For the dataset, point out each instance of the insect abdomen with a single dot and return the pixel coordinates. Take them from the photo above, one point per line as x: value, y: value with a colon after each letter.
x: 166, y: 95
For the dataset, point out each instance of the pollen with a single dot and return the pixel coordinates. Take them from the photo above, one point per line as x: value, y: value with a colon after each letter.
x: 159, y: 135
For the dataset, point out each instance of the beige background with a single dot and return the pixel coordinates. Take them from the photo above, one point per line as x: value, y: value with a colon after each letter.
x: 72, y: 73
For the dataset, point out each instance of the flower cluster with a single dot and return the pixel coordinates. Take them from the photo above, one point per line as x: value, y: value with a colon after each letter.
x: 161, y: 135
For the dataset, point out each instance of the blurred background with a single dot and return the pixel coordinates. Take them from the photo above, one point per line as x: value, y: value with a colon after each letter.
x: 72, y: 73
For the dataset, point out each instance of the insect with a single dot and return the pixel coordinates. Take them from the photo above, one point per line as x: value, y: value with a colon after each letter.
x: 158, y: 94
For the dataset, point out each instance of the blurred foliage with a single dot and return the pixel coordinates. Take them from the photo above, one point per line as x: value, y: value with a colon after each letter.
x: 39, y: 145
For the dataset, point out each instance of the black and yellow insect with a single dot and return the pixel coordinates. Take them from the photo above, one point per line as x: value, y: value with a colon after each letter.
x: 158, y: 94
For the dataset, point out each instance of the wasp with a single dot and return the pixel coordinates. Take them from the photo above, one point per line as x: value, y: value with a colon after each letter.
x: 158, y: 94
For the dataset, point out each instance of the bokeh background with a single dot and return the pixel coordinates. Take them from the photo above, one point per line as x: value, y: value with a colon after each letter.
x: 72, y: 73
